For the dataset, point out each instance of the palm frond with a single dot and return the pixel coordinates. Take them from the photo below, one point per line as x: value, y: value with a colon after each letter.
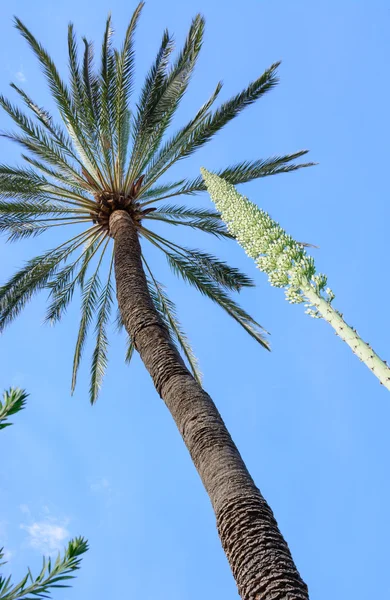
x: 209, y: 288
x: 38, y: 142
x: 230, y: 109
x: 34, y: 131
x: 77, y: 88
x: 66, y: 195
x: 129, y: 351
x: 20, y: 228
x: 64, y: 102
x: 173, y: 89
x: 57, y: 87
x: 63, y: 286
x: 195, y: 260
x: 168, y: 313
x: 99, y: 357
x: 193, y: 137
x: 178, y: 78
x: 213, y: 291
x: 91, y: 85
x: 208, y: 224
x: 129, y: 344
x: 93, y: 109
x: 143, y: 125
x: 206, y: 283
x: 64, y: 179
x: 184, y: 212
x: 59, y: 138
x: 107, y: 99
x: 27, y: 208
x: 43, y: 116
x: 86, y: 115
x: 21, y: 184
x: 158, y: 190
x: 22, y: 286
x: 184, y: 65
x: 124, y: 85
x: 168, y: 154
x: 243, y: 172
x: 90, y: 297
x: 46, y: 119
x: 226, y: 276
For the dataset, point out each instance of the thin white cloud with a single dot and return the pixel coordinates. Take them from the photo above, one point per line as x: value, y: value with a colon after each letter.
x: 47, y: 536
x: 25, y: 509
x: 20, y: 76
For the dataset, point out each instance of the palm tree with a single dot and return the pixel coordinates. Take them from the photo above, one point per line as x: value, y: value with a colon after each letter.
x: 102, y: 171
x: 287, y: 266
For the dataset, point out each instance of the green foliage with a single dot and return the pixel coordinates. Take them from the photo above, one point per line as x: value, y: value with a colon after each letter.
x: 167, y: 311
x: 14, y: 400
x: 110, y: 142
x: 53, y: 574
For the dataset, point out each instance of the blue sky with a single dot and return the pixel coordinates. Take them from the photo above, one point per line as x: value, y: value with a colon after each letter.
x: 310, y: 421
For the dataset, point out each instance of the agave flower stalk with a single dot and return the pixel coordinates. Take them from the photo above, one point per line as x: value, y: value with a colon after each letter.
x: 287, y: 265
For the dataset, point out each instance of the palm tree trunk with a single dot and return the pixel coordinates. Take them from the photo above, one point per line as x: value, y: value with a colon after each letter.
x: 258, y: 555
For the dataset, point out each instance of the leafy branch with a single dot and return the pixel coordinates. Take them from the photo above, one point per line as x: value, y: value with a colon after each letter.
x: 14, y: 400
x: 53, y: 574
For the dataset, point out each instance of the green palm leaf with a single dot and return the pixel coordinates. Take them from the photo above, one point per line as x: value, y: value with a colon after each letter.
x: 64, y: 102
x: 209, y: 223
x: 174, y: 88
x: 241, y: 173
x: 22, y: 286
x: 91, y: 86
x: 90, y: 295
x: 195, y: 135
x: 63, y: 286
x: 205, y: 284
x: 129, y: 351
x: 99, y: 357
x: 143, y: 125
x: 124, y: 86
x: 171, y: 151
x: 167, y: 311
x: 210, y: 276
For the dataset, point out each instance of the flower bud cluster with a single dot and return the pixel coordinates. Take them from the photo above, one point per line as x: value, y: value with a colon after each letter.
x: 276, y: 253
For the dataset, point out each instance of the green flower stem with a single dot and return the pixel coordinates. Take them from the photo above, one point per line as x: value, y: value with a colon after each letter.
x: 287, y: 265
x: 349, y: 336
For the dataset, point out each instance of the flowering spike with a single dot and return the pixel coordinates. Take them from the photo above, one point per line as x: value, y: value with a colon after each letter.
x: 287, y: 265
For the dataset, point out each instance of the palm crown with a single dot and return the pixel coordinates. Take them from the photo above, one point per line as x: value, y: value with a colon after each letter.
x: 109, y: 155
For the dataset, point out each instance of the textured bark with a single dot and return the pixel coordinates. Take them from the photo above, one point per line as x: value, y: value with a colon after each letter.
x: 258, y: 555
